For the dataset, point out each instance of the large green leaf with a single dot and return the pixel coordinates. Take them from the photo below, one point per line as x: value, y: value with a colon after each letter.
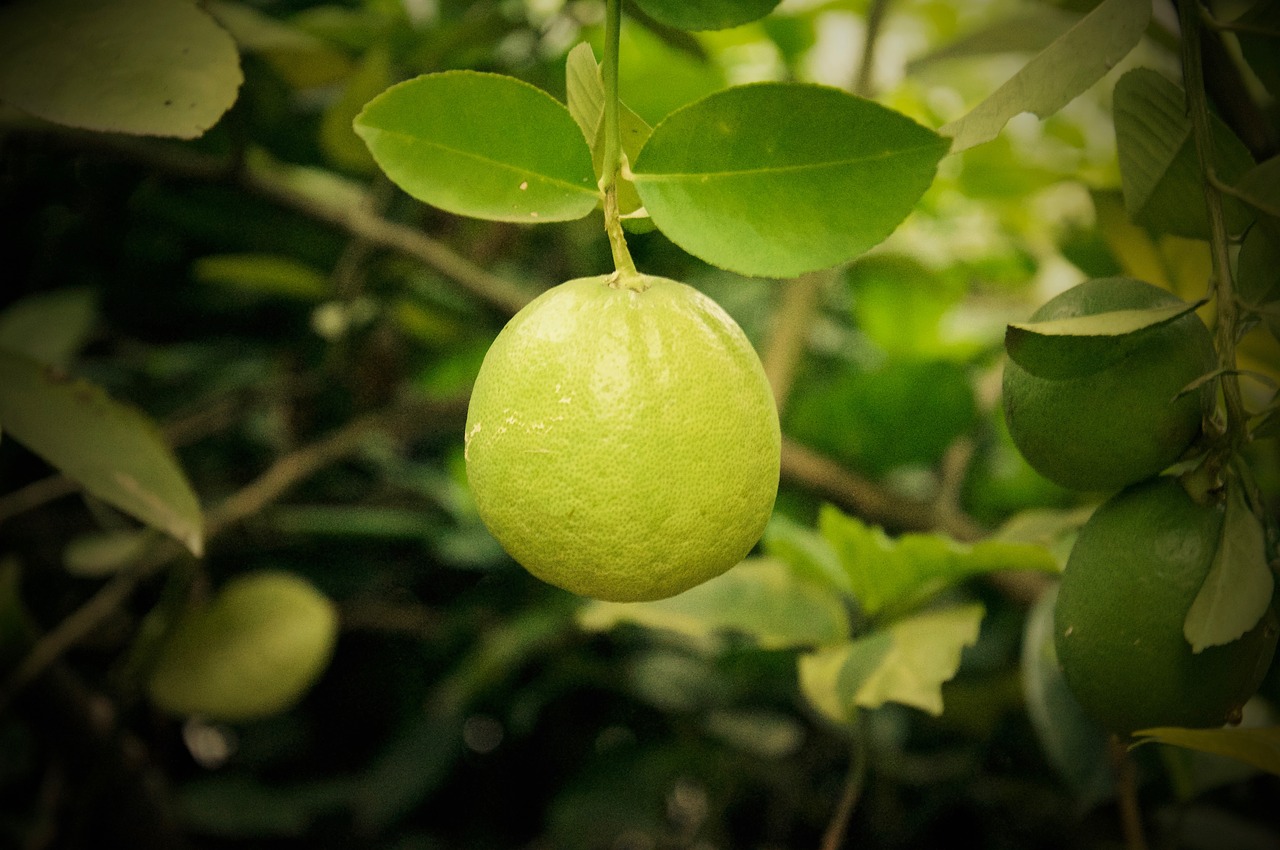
x: 1055, y: 76
x: 1260, y: 187
x: 907, y: 663
x: 1023, y: 31
x: 1237, y: 591
x: 50, y: 326
x: 1159, y: 166
x: 705, y: 14
x: 762, y: 599
x: 1081, y: 345
x: 114, y: 451
x: 481, y: 145
x: 777, y: 179
x: 888, y: 573
x: 148, y: 67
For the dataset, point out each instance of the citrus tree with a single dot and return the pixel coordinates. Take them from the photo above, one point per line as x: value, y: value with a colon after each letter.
x: 718, y: 423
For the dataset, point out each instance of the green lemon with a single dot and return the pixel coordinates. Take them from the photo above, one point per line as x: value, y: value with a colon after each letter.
x: 1132, y: 575
x: 623, y: 444
x: 253, y: 651
x: 1125, y: 422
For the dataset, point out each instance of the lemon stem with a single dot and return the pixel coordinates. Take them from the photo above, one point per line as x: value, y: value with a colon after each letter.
x: 622, y: 262
x: 1227, y: 313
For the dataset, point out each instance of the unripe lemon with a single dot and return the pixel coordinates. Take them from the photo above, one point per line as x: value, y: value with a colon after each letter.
x: 623, y: 444
x: 253, y: 651
x: 1125, y: 422
x: 1132, y: 575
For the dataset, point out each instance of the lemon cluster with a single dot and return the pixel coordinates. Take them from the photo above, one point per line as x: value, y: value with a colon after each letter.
x: 1141, y: 559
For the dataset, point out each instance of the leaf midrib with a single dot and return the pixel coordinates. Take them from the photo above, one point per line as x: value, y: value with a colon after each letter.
x: 668, y: 176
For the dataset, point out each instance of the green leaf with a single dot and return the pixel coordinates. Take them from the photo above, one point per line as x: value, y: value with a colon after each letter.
x: 114, y: 451
x: 760, y: 598
x: 907, y: 663
x: 93, y: 64
x: 1054, y: 77
x: 1260, y: 187
x: 263, y: 274
x: 1074, y: 744
x: 805, y: 551
x: 1258, y: 269
x: 105, y: 552
x: 1159, y: 166
x: 1081, y: 345
x: 585, y: 90
x: 1237, y: 591
x: 481, y: 145
x: 1258, y: 41
x: 777, y: 179
x: 50, y: 327
x: 900, y: 573
x: 303, y: 60
x: 705, y: 14
x: 1259, y: 747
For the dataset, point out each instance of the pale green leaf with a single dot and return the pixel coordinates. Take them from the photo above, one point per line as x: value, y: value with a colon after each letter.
x: 759, y: 598
x: 301, y: 58
x: 1081, y: 345
x: 482, y: 145
x: 925, y: 654
x: 585, y: 91
x: 92, y: 64
x: 263, y: 274
x: 1259, y: 747
x: 1054, y: 77
x: 114, y: 451
x: 1023, y: 31
x: 50, y: 327
x: 1160, y: 169
x: 898, y: 573
x: 1237, y: 590
x: 777, y: 179
x: 705, y: 14
x: 907, y: 662
x: 1074, y: 744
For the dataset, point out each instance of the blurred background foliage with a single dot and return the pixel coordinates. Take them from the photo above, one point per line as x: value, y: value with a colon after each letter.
x: 272, y: 323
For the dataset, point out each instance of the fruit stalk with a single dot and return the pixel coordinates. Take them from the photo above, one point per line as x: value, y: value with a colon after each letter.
x: 622, y: 262
x: 1227, y: 312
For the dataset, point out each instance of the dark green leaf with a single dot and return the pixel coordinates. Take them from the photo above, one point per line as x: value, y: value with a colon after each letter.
x: 1159, y: 166
x: 1082, y: 345
x: 1259, y: 39
x: 1259, y: 747
x: 705, y: 14
x: 762, y: 599
x: 263, y: 274
x: 93, y: 64
x: 1260, y: 187
x: 1054, y: 77
x: 776, y: 179
x: 304, y: 60
x: 1237, y: 591
x: 481, y: 145
x: 114, y: 451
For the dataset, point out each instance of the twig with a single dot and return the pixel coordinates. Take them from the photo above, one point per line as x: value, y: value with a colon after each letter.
x: 792, y: 319
x: 854, y: 781
x: 864, y: 82
x: 852, y: 492
x: 34, y: 495
x: 1127, y: 788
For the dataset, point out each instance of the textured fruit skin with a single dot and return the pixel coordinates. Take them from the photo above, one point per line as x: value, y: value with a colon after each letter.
x: 1132, y: 575
x: 1121, y: 424
x: 623, y: 445
x: 252, y: 652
